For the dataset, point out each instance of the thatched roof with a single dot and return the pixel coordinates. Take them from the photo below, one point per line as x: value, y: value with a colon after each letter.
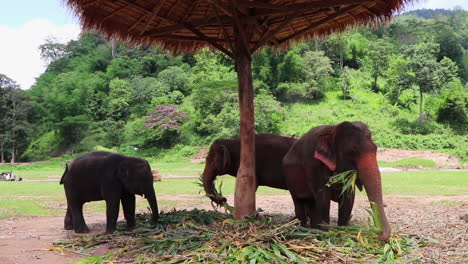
x: 188, y: 25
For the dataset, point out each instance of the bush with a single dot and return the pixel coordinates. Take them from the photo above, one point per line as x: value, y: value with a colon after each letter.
x: 43, y: 148
x: 415, y: 127
x: 454, y: 108
x: 162, y: 126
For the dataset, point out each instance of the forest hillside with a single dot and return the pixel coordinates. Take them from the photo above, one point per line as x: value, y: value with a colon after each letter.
x: 407, y: 80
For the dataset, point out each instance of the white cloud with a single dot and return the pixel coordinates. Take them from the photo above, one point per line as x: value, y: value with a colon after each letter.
x: 435, y: 4
x: 20, y: 58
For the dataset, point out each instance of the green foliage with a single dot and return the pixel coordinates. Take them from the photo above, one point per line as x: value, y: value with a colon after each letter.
x: 208, y: 68
x: 119, y: 97
x: 454, y: 108
x: 162, y: 126
x: 43, y: 147
x: 73, y: 129
x: 209, y: 100
x: 176, y: 78
x: 268, y: 113
x: 377, y: 59
x: 399, y: 80
x: 97, y: 92
x: 198, y: 236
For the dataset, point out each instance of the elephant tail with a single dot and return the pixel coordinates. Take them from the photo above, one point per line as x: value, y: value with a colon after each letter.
x: 64, y: 173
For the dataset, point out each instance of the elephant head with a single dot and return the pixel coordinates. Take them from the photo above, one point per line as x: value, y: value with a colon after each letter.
x: 219, y: 162
x: 136, y: 177
x: 349, y: 146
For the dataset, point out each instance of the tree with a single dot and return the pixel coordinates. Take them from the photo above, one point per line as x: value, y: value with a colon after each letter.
x: 15, y: 126
x: 399, y: 77
x: 163, y: 124
x: 291, y: 68
x: 53, y: 50
x: 377, y: 58
x: 429, y: 75
x: 119, y: 97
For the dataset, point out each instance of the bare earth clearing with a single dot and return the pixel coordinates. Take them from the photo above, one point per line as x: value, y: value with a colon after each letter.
x: 441, y: 221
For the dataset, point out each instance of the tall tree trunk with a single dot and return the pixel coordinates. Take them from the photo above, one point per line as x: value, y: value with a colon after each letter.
x: 244, y: 198
x: 13, y: 155
x: 2, y: 153
x: 341, y: 55
x: 113, y: 47
x: 420, y: 105
x: 375, y: 84
x: 13, y: 129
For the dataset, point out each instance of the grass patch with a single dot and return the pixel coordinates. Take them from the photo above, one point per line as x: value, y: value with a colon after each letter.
x: 426, y: 182
x: 31, y: 198
x: 199, y: 236
x: 55, y: 169
x: 409, y: 163
x: 180, y: 168
x: 27, y: 207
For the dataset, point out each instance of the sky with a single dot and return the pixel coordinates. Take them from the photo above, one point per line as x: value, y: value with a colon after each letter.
x: 26, y: 24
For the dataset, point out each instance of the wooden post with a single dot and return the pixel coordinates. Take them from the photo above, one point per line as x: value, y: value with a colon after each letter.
x: 244, y: 198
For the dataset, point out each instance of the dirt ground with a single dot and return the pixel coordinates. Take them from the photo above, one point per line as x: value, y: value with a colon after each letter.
x: 441, y: 221
x: 441, y: 159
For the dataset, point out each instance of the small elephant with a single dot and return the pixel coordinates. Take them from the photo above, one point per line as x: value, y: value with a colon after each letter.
x: 223, y: 158
x: 111, y: 177
x: 320, y: 153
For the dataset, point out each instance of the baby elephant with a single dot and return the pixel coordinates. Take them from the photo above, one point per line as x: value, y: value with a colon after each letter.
x: 111, y: 177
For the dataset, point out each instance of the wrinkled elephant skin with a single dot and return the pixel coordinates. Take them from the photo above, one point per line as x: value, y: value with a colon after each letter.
x: 111, y: 177
x: 223, y: 158
x: 322, y: 152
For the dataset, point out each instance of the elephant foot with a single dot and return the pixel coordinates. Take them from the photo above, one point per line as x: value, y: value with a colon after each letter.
x: 82, y: 229
x: 130, y: 225
x: 343, y: 223
x: 68, y: 227
x: 110, y: 230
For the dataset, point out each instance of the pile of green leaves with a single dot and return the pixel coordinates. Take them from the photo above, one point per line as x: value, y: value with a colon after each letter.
x: 199, y: 236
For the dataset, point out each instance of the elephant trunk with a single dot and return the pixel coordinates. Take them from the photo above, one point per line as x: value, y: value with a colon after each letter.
x: 153, y: 203
x: 369, y: 176
x: 208, y: 184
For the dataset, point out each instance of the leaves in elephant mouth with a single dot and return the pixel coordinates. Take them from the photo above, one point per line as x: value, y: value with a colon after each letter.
x: 217, y: 196
x: 199, y: 236
x: 347, y: 179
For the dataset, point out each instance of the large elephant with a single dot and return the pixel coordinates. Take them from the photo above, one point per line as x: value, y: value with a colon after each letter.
x: 322, y: 152
x: 111, y: 177
x: 223, y: 158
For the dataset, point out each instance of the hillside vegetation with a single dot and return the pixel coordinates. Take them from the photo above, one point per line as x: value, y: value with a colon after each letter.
x: 406, y: 80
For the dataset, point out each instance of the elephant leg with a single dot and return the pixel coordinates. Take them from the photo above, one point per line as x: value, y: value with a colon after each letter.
x: 314, y: 212
x: 128, y: 204
x: 68, y: 221
x: 324, y: 205
x: 345, y: 207
x: 112, y: 213
x: 79, y: 224
x: 300, y: 209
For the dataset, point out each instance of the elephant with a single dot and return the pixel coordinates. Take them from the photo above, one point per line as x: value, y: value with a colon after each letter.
x: 223, y: 158
x: 324, y: 151
x: 111, y: 177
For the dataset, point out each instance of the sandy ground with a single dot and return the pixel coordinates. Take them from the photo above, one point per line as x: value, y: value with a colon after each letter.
x: 440, y: 220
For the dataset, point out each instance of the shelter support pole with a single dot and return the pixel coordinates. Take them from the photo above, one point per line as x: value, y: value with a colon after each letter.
x: 244, y: 198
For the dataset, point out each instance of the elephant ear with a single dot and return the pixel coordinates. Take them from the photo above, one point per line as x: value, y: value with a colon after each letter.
x: 226, y: 157
x: 324, y: 151
x: 122, y: 170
